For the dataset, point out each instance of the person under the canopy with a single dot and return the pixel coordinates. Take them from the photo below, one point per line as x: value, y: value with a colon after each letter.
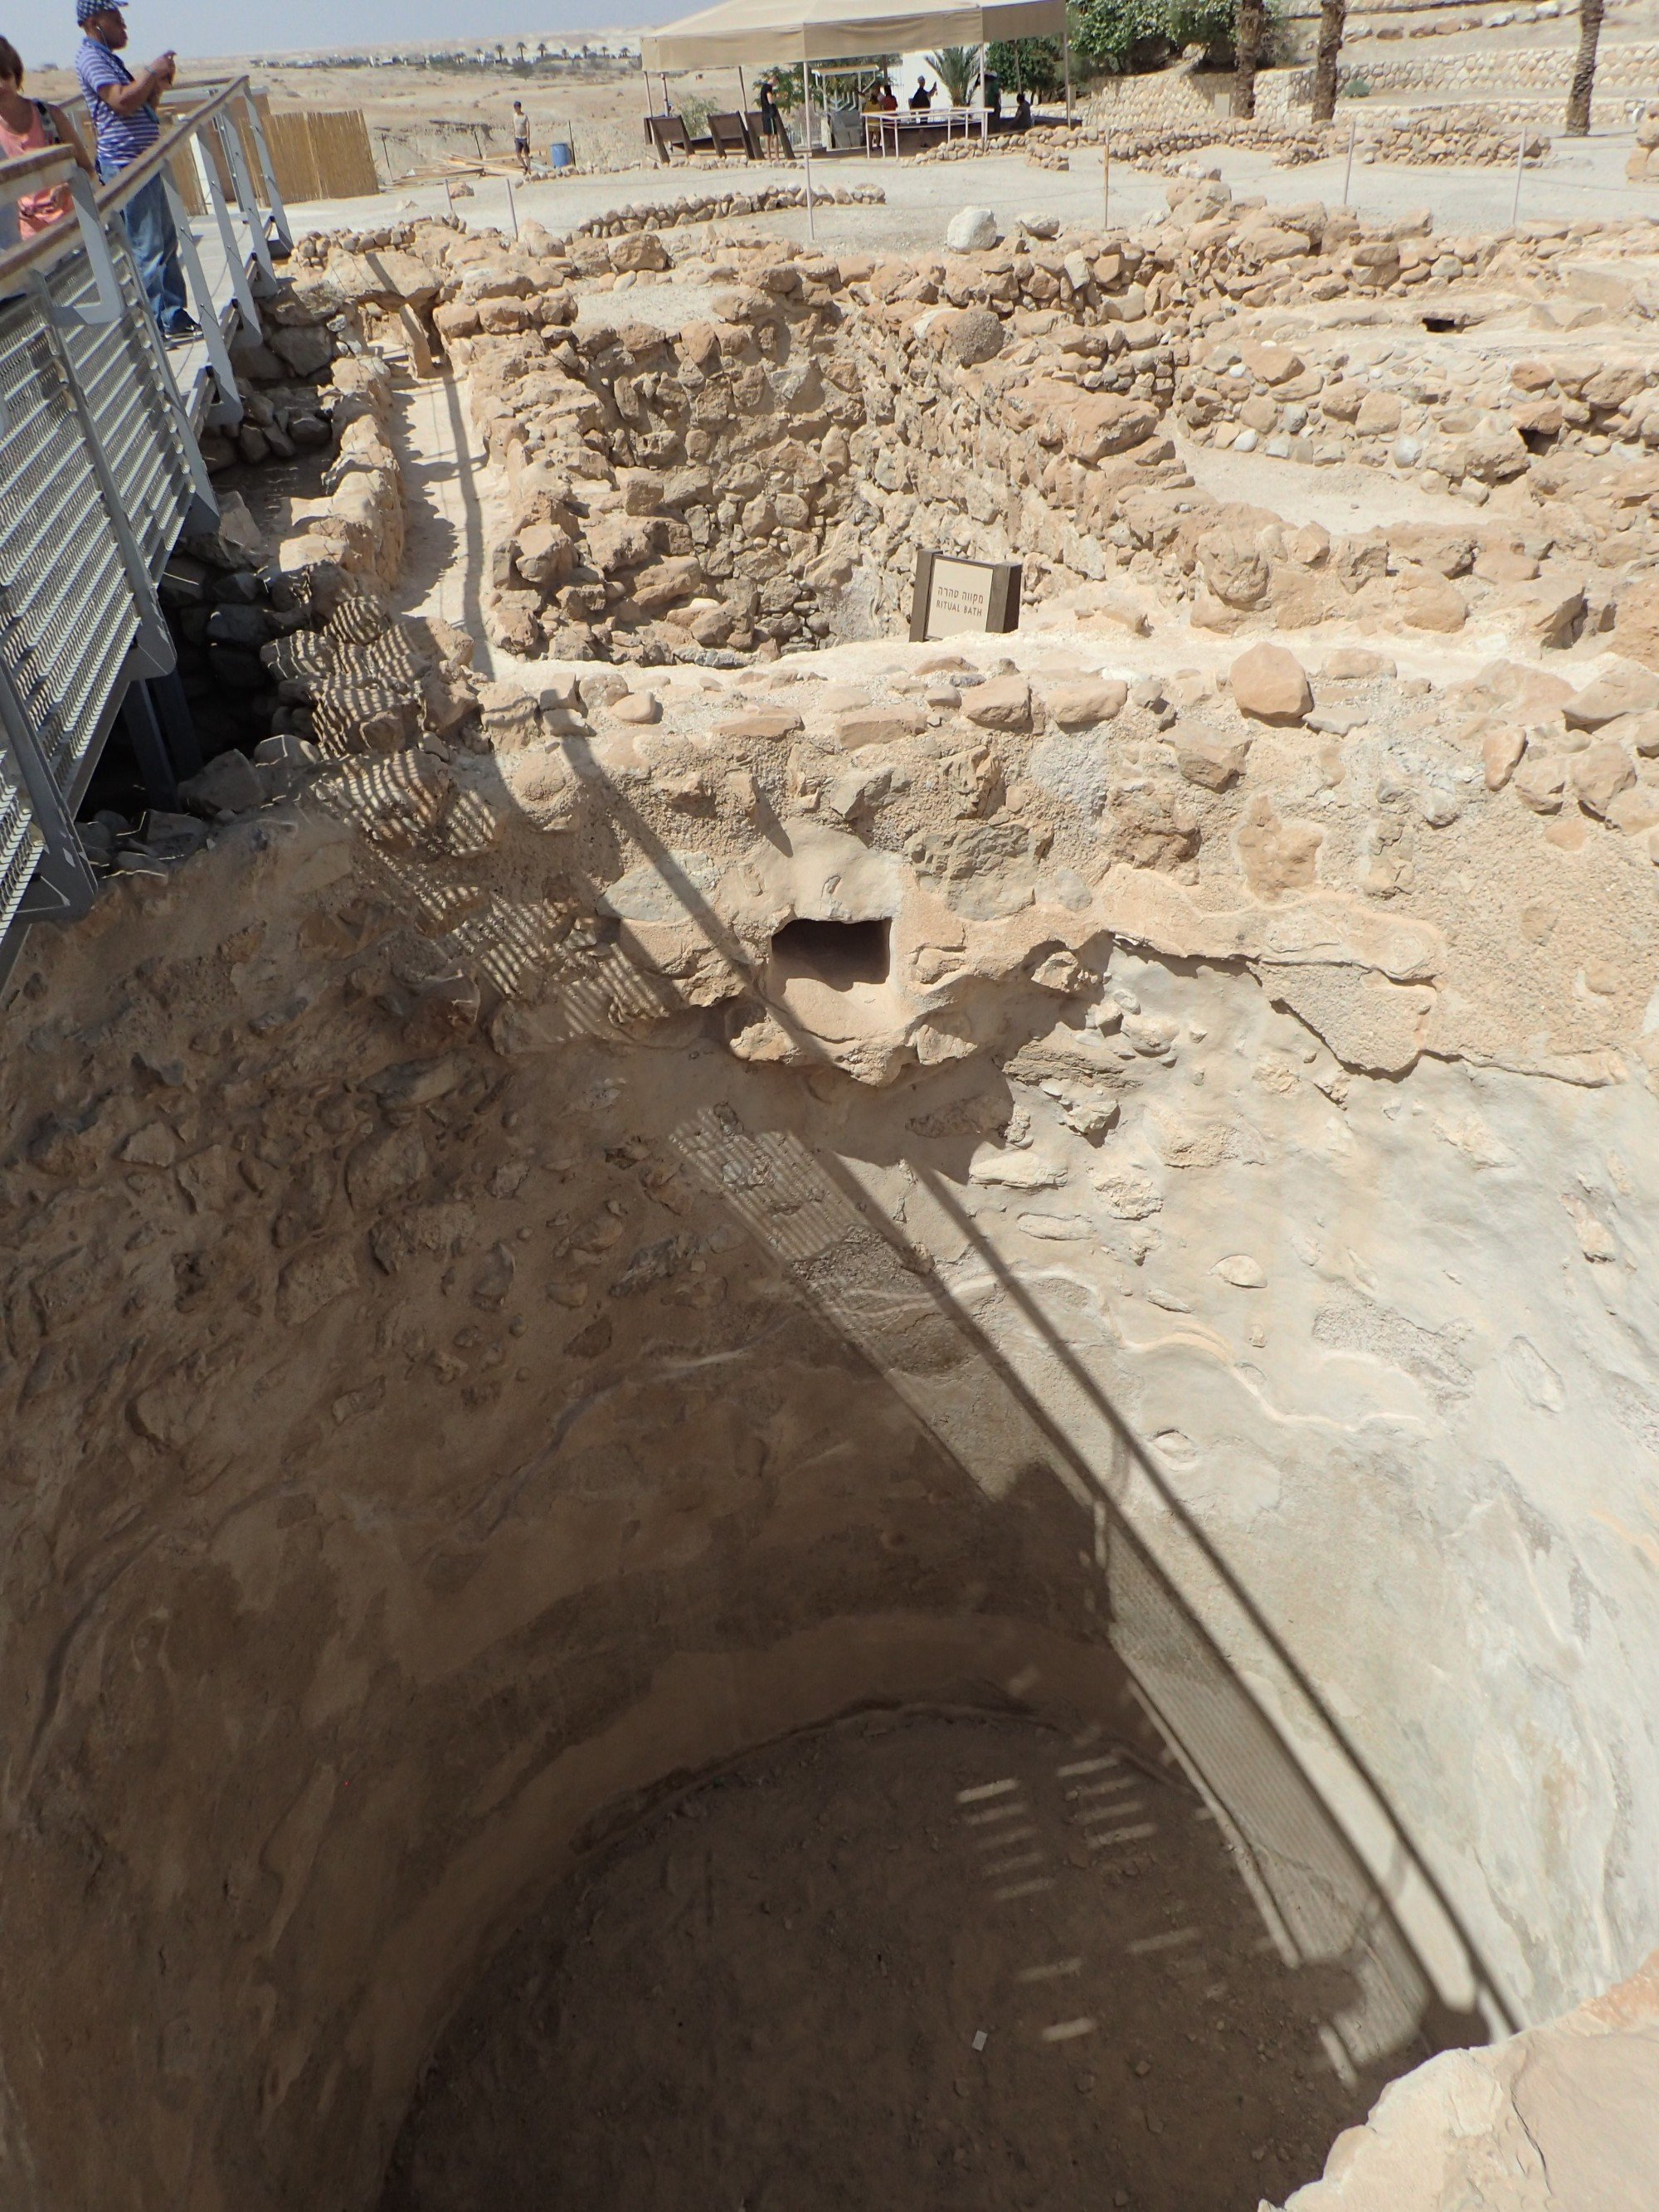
x: 923, y: 97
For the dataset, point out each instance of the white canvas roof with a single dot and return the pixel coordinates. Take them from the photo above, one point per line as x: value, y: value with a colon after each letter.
x: 830, y: 30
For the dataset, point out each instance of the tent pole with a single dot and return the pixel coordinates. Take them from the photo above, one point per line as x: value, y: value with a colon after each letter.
x: 742, y: 93
x: 1065, y: 47
x: 806, y: 142
x: 984, y: 95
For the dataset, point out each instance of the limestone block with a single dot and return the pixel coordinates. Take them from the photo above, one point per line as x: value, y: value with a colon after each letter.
x: 1272, y: 364
x: 1081, y: 705
x: 1270, y: 683
x: 1429, y: 602
x: 637, y: 707
x: 1379, y: 415
x: 1637, y: 733
x: 1003, y: 703
x: 656, y: 589
x: 1540, y: 419
x: 1626, y: 687
x: 1368, y: 1021
x: 1088, y: 425
x: 1500, y: 754
x: 643, y: 251
x: 1234, y: 567
x: 1355, y: 663
x: 1540, y: 781
x: 1276, y: 856
x: 1599, y: 773
x: 1636, y: 625
x: 768, y: 727
x: 972, y: 230
x: 1214, y: 767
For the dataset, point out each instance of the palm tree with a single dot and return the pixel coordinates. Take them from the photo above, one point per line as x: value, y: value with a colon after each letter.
x: 1332, y: 19
x: 956, y: 68
x: 1584, y: 70
x: 1252, y: 26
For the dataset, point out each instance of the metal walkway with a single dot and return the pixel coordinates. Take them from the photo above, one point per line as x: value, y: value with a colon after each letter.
x: 101, y: 471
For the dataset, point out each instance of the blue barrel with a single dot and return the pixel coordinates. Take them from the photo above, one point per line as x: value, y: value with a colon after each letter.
x: 558, y: 153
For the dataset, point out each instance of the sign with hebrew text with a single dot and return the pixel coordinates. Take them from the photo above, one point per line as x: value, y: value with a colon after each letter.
x: 952, y: 596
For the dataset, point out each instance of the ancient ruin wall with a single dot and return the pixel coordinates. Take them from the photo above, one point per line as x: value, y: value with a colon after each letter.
x: 492, y: 1319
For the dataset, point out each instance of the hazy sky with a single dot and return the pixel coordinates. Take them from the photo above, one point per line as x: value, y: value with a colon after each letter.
x: 46, y: 32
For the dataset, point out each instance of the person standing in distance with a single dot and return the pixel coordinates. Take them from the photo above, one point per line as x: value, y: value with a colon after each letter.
x: 124, y: 118
x: 521, y: 136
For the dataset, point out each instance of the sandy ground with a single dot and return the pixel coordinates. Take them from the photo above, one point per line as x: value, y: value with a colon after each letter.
x: 922, y: 1963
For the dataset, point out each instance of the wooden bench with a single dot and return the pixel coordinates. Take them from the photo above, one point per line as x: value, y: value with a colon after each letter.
x: 731, y: 135
x: 667, y: 135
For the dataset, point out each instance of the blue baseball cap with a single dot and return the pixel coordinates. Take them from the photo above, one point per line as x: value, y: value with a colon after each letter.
x: 86, y: 9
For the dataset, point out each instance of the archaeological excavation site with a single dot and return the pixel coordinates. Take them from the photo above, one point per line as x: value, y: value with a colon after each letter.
x: 800, y: 1415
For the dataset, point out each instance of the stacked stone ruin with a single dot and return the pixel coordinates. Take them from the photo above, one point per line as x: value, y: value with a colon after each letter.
x: 460, y: 1386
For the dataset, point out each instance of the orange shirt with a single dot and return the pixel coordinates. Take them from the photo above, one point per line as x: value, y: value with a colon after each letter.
x: 36, y: 211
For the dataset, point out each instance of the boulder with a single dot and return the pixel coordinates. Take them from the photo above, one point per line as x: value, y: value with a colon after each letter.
x: 1270, y: 684
x: 973, y: 336
x: 303, y: 351
x: 230, y: 784
x: 638, y: 707
x: 1430, y: 602
x: 1626, y: 689
x: 643, y: 250
x: 972, y: 230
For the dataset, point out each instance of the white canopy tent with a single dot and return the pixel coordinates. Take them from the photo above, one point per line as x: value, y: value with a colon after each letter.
x: 770, y: 30
x: 764, y: 31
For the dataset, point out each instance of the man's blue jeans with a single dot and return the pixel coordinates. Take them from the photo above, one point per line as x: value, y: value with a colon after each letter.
x: 155, y: 249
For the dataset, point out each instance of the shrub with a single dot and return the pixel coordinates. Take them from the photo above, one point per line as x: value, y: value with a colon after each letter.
x: 1036, y: 63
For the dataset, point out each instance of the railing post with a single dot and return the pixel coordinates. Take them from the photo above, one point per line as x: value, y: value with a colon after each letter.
x: 216, y: 199
x: 230, y: 399
x: 231, y: 139
x: 154, y: 642
x: 111, y: 305
x: 278, y: 211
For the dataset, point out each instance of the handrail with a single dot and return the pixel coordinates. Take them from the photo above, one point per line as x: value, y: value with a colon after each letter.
x: 50, y: 245
x: 15, y: 174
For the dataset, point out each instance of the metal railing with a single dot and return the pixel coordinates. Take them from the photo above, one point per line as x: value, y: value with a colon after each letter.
x: 99, y: 467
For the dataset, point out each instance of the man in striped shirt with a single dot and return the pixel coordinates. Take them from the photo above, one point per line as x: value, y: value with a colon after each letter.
x: 123, y: 110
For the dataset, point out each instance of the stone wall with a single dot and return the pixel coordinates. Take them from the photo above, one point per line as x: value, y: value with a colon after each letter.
x: 1620, y: 67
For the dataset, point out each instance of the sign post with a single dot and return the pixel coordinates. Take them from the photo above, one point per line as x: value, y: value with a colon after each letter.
x: 951, y: 596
